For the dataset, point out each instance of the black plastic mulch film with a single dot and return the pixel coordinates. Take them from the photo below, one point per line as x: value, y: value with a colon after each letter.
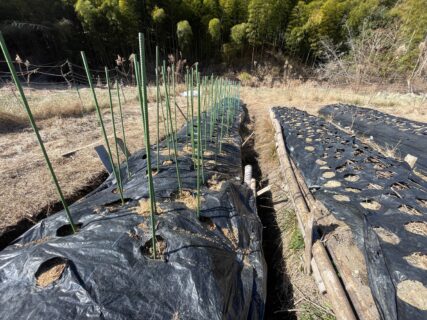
x: 381, y: 199
x: 211, y: 269
x: 401, y: 135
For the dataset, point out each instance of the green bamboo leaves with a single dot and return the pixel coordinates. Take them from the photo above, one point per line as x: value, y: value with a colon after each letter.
x: 36, y: 131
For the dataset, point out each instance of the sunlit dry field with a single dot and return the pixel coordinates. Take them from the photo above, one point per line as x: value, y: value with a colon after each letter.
x: 67, y: 123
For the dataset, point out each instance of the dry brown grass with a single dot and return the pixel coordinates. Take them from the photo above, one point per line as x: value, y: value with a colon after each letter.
x: 27, y: 186
x: 311, y: 96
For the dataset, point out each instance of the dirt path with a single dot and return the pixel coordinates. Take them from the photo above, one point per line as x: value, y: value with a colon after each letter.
x: 291, y: 293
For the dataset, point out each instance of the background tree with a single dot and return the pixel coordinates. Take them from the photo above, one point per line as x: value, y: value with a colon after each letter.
x: 184, y: 34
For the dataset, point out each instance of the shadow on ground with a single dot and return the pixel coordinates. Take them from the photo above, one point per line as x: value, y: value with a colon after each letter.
x: 279, y: 288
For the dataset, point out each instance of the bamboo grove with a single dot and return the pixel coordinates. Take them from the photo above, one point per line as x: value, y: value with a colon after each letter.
x: 211, y: 107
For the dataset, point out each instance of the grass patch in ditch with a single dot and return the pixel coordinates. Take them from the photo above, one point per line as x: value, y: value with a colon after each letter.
x: 312, y: 312
x: 296, y: 242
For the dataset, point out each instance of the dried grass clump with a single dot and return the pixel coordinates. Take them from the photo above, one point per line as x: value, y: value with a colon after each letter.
x: 417, y: 259
x: 386, y: 235
x: 50, y: 275
x: 409, y: 210
x: 332, y: 184
x: 186, y: 197
x: 370, y: 205
x: 341, y: 198
x: 414, y: 293
x: 417, y: 227
x: 214, y: 183
x: 10, y: 122
x: 144, y: 208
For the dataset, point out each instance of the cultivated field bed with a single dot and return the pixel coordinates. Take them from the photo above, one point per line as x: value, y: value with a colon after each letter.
x: 382, y: 201
x: 213, y: 264
x: 70, y: 142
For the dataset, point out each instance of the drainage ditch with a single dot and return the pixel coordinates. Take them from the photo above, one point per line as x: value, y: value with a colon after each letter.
x: 279, y: 288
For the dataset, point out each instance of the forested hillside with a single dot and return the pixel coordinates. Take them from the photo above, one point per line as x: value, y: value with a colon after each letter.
x: 384, y: 38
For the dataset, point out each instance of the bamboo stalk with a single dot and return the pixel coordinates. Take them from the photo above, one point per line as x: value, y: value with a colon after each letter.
x: 192, y: 112
x: 174, y: 95
x: 144, y: 110
x: 157, y: 107
x: 34, y: 126
x: 123, y: 128
x: 168, y: 111
x: 101, y: 122
x: 199, y: 129
x: 199, y: 141
x: 118, y: 177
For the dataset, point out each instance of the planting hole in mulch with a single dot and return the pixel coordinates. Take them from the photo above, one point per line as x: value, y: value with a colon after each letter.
x: 370, y: 204
x: 418, y: 260
x: 409, y: 210
x: 354, y: 190
x: 351, y: 177
x: 328, y: 174
x: 374, y: 186
x: 144, y: 208
x: 153, y: 172
x: 384, y: 174
x: 422, y: 202
x: 332, y: 184
x: 341, y: 198
x: 400, y: 186
x: 357, y: 152
x: 214, y: 183
x: 321, y: 162
x: 167, y: 162
x: 386, y: 236
x: 188, y: 198
x: 50, y: 271
x: 66, y: 229
x: 413, y: 293
x: 147, y: 248
x: 208, y: 223
x: 417, y: 227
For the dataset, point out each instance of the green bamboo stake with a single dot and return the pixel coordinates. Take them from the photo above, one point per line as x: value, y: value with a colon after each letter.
x: 169, y: 113
x: 199, y: 142
x: 199, y: 127
x: 165, y: 124
x: 157, y: 105
x: 123, y: 128
x: 223, y: 105
x: 174, y: 95
x: 101, y: 122
x: 188, y: 105
x: 192, y: 112
x: 119, y: 178
x: 144, y: 110
x: 210, y: 99
x: 123, y: 92
x: 36, y: 131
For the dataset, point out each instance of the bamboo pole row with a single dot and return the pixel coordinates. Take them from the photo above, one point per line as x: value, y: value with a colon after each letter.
x: 208, y: 122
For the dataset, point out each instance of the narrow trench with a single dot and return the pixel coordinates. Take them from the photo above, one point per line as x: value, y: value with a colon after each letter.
x: 279, y: 288
x: 13, y: 232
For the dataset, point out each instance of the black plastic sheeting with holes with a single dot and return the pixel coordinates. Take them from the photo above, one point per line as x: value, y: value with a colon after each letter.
x: 212, y: 268
x: 369, y: 192
x: 400, y: 135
